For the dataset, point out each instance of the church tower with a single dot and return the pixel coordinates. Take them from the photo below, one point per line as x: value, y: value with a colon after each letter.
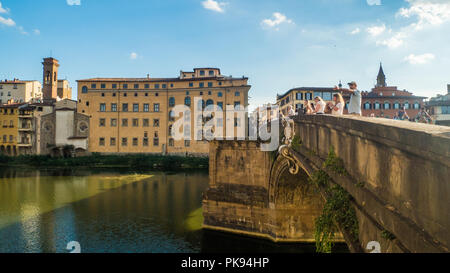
x: 50, y: 87
x: 381, y: 79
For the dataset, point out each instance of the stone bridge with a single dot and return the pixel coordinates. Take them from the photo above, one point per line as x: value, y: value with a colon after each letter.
x: 396, y: 175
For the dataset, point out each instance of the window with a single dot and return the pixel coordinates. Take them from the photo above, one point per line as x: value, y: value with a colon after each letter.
x: 125, y: 107
x: 237, y: 104
x: 377, y: 106
x: 201, y: 93
x: 367, y: 106
x: 171, y: 116
x: 211, y: 72
x: 146, y: 122
x: 136, y: 86
x: 102, y: 122
x: 187, y: 101
x: 112, y: 141
x: 114, y: 86
x: 220, y: 105
x: 102, y: 141
x: 237, y: 94
x: 103, y: 86
x: 146, y: 107
x: 113, y: 107
x: 102, y: 107
x: 135, y: 122
x: 87, y: 103
x: 187, y: 143
x: 191, y: 84
x: 114, y: 94
x: 156, y: 94
x: 135, y: 141
x: 220, y: 94
x: 406, y: 105
x: 396, y: 105
x: 237, y: 122
x: 387, y: 105
x: 113, y: 122
x: 125, y: 94
x: 93, y: 86
x: 201, y: 84
x: 209, y: 93
x: 416, y: 105
x: 125, y: 86
x: 135, y: 94
x: 327, y: 96
x: 147, y: 86
x: 156, y: 107
x: 156, y: 123
x: 84, y: 89
x: 209, y: 102
x: 202, y: 72
x: 171, y: 142
x: 124, y: 122
x: 155, y: 141
x: 308, y: 96
x: 135, y: 107
x: 156, y: 86
x: 145, y: 141
x: 210, y: 84
x: 124, y: 141
x: 299, y: 96
x: 172, y: 102
x: 103, y: 94
x: 164, y: 86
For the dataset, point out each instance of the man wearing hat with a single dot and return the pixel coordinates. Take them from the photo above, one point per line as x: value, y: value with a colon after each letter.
x: 354, y: 107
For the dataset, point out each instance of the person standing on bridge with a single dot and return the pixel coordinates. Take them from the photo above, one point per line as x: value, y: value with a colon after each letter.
x: 354, y: 107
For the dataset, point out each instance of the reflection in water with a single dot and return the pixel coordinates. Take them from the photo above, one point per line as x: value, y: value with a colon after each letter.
x: 111, y: 211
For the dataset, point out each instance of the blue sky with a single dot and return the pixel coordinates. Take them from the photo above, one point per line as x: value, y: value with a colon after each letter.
x: 277, y: 44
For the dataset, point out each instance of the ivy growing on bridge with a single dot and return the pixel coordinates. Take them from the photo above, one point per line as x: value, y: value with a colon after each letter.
x: 338, y: 212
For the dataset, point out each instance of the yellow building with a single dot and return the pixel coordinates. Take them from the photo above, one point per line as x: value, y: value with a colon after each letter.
x: 296, y: 97
x: 9, y: 129
x: 133, y: 115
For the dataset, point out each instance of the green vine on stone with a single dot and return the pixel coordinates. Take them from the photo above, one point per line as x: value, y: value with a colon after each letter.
x: 296, y: 143
x: 335, y: 163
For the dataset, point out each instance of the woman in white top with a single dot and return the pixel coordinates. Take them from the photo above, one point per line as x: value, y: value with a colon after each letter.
x: 338, y: 107
x: 320, y: 106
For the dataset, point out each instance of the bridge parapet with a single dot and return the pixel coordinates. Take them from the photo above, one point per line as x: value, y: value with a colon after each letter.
x: 403, y: 166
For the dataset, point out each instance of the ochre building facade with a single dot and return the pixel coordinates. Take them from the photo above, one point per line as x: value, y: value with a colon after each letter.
x: 135, y: 115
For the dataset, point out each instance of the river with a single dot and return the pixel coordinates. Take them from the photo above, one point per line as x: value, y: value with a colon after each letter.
x: 113, y: 210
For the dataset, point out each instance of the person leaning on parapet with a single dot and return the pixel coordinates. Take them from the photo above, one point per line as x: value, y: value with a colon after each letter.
x: 354, y: 107
x: 338, y: 104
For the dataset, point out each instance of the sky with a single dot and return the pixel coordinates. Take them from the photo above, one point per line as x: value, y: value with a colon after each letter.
x: 279, y: 44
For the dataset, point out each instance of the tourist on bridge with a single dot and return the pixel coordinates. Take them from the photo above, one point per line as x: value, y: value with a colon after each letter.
x: 308, y: 108
x: 354, y: 107
x: 319, y: 109
x: 338, y: 104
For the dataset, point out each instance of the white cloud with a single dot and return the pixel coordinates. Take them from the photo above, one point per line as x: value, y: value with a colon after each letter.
x: 428, y: 12
x: 8, y: 22
x: 376, y: 30
x: 36, y: 32
x: 74, y: 2
x: 214, y: 5
x: 133, y: 56
x: 2, y: 9
x: 277, y: 19
x: 393, y: 42
x: 420, y: 59
x: 22, y: 30
x: 355, y: 31
x: 374, y: 2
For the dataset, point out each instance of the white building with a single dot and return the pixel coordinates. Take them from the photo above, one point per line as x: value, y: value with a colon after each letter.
x: 20, y: 91
x: 439, y: 108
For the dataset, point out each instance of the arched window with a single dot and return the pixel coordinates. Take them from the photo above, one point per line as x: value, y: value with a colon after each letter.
x: 396, y: 105
x: 406, y: 105
x: 187, y: 101
x: 47, y: 77
x: 376, y: 105
x: 209, y: 102
x: 84, y: 89
x: 172, y: 102
x: 54, y: 77
x: 387, y: 105
x: 220, y: 94
x: 367, y: 105
x: 417, y: 105
x: 171, y: 115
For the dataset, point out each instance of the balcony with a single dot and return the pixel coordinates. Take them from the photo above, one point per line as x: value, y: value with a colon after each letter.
x: 26, y: 128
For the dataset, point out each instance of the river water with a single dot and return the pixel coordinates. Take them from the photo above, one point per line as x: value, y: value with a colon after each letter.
x: 113, y: 211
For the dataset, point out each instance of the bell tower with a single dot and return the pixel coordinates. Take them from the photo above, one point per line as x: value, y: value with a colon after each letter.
x: 381, y: 78
x: 50, y: 87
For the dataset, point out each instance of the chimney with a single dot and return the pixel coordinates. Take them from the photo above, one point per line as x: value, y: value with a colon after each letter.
x: 148, y: 76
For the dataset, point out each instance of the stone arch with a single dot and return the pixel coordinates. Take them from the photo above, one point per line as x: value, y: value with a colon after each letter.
x: 295, y: 202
